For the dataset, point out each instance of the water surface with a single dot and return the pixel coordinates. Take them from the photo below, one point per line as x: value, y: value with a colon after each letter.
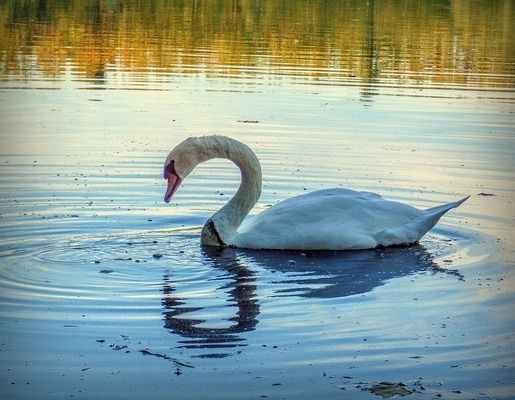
x: 106, y: 291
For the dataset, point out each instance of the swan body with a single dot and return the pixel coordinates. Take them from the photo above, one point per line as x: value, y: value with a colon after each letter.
x: 328, y: 219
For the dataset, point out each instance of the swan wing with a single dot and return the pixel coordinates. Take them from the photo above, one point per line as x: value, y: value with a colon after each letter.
x: 324, y: 219
x: 336, y: 219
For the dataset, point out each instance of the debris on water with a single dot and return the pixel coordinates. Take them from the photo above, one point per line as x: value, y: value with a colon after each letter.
x: 100, y: 340
x: 248, y: 121
x: 166, y: 357
x: 486, y: 194
x: 213, y: 355
x: 157, y: 255
x: 106, y: 271
x: 388, y: 389
x: 97, y: 261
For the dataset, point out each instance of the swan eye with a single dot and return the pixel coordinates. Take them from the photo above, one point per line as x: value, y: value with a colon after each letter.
x: 170, y: 169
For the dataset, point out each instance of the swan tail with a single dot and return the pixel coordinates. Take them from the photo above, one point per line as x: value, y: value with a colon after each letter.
x: 412, y: 231
x: 430, y: 218
x: 445, y: 207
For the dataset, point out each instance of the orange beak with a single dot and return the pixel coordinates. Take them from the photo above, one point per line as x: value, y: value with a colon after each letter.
x: 173, y: 183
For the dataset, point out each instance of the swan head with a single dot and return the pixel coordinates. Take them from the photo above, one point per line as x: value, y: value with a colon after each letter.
x: 181, y: 161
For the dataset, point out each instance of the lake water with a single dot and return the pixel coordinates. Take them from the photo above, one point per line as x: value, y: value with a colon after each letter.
x: 105, y: 290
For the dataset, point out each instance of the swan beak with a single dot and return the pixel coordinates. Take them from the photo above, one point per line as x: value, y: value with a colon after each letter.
x: 173, y: 183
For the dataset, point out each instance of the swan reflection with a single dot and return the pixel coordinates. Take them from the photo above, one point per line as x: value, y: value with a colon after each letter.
x: 242, y: 295
x: 340, y: 274
x: 302, y: 274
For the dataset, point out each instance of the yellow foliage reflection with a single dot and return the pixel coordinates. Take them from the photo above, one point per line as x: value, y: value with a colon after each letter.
x: 419, y: 41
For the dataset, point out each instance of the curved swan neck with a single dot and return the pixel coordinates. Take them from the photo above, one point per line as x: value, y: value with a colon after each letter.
x: 226, y: 221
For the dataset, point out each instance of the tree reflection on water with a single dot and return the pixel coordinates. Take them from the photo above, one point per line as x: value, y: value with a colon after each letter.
x: 454, y: 41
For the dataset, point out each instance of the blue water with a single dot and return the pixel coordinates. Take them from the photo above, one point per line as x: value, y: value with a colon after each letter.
x: 105, y: 290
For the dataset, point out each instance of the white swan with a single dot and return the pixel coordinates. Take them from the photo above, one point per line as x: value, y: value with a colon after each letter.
x: 329, y: 219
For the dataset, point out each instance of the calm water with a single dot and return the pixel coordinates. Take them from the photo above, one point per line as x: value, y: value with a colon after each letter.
x: 105, y: 290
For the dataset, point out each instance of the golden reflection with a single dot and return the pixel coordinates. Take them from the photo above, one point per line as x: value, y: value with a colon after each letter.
x: 424, y: 41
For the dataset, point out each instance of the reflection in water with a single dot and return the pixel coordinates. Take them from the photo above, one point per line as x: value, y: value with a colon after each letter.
x: 242, y: 294
x: 333, y: 274
x: 370, y: 55
x: 452, y: 42
x: 312, y: 275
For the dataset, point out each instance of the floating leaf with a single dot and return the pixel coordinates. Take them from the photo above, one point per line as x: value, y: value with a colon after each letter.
x: 387, y: 390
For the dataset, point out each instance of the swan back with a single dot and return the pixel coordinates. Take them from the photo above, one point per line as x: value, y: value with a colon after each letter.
x: 338, y: 219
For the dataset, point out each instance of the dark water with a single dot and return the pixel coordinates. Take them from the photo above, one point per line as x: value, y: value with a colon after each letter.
x: 105, y: 290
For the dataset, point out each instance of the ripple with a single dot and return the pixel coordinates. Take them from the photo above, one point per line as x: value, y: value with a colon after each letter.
x: 144, y: 246
x: 209, y: 298
x: 139, y: 255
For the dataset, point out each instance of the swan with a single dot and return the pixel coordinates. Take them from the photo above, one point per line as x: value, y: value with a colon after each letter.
x: 327, y: 219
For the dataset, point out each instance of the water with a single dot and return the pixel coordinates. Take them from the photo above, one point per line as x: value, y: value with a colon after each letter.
x: 105, y: 290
